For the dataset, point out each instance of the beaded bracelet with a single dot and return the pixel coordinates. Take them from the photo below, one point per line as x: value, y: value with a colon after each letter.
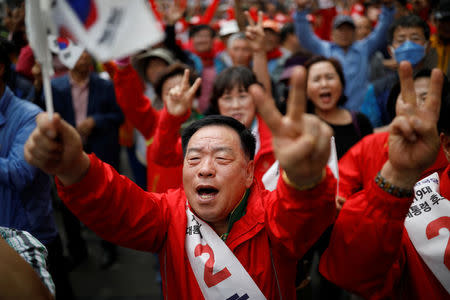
x: 392, y: 189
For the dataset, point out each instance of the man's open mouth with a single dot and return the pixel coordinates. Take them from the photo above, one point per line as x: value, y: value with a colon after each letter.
x: 207, y: 192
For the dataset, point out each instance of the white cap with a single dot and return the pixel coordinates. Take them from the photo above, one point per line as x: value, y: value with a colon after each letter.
x: 228, y: 27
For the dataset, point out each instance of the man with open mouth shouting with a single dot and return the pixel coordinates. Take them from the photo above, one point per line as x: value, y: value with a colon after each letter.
x: 220, y: 236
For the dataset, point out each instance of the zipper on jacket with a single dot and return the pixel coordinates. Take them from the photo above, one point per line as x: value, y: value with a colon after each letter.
x: 275, y: 272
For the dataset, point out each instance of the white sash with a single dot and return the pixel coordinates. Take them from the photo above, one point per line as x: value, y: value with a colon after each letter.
x: 219, y: 273
x: 270, y: 178
x: 428, y: 226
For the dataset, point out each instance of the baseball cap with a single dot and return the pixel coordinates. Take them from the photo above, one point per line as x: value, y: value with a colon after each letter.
x: 271, y: 24
x: 228, y: 27
x: 139, y: 61
x: 343, y: 19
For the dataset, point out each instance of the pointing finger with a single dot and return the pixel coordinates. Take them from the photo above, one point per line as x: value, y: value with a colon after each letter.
x: 260, y: 18
x: 190, y: 94
x: 250, y: 20
x: 433, y: 100
x: 407, y: 83
x: 266, y: 107
x: 185, y: 80
x: 297, y: 98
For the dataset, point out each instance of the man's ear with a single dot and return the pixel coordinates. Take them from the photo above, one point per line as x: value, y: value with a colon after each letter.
x: 390, y: 50
x: 445, y: 143
x: 250, y: 173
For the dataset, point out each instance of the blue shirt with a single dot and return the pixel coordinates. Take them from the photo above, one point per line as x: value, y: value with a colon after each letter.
x: 356, y: 61
x: 25, y: 198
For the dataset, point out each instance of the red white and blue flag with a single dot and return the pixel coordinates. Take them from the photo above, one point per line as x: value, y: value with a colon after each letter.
x: 108, y: 29
x: 68, y: 52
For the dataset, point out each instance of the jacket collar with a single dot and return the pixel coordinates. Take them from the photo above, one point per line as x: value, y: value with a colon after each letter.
x: 265, y: 137
x: 251, y: 223
x: 4, y: 103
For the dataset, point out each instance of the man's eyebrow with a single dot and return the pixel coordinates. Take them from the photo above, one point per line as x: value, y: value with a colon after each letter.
x: 224, y: 148
x: 193, y: 149
x: 215, y: 149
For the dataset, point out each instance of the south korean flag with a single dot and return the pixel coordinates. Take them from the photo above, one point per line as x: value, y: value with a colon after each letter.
x: 68, y: 52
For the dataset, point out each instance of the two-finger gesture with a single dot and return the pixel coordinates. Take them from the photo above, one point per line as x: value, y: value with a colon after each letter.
x: 180, y: 97
x: 255, y: 32
x: 413, y: 138
x: 301, y: 142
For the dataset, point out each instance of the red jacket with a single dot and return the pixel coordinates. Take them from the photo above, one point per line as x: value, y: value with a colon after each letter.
x: 359, y: 166
x: 370, y: 252
x: 282, y: 224
x: 166, y: 150
x: 138, y: 109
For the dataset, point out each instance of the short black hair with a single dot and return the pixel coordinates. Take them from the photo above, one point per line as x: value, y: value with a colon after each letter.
x: 337, y: 66
x: 195, y: 29
x: 171, y: 71
x: 408, y: 21
x: 287, y: 29
x: 229, y: 78
x: 6, y: 47
x: 248, y: 141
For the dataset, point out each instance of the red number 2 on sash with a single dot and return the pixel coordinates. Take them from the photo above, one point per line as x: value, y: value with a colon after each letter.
x: 433, y: 231
x: 210, y: 278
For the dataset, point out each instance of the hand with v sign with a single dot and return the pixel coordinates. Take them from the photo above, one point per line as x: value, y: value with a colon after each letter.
x: 301, y: 142
x: 181, y: 96
x: 413, y: 135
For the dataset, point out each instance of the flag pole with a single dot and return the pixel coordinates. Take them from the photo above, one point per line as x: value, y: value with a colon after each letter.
x: 47, y: 91
x: 36, y: 19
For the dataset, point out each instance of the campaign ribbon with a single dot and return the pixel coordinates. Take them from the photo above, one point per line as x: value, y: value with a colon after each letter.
x: 428, y: 226
x: 218, y: 272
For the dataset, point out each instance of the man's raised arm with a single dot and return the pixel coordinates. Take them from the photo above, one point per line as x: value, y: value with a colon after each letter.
x: 303, y: 205
x: 109, y: 204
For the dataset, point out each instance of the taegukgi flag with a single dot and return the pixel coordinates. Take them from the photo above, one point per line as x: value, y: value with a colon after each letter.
x: 107, y: 28
x: 68, y: 52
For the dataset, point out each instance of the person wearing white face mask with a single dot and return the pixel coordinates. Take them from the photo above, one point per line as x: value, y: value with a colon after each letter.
x: 408, y: 41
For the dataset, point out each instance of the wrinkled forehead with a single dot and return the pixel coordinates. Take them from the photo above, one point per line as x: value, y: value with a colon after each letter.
x: 213, y: 137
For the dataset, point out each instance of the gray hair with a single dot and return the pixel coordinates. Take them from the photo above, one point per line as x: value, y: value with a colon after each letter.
x: 234, y: 37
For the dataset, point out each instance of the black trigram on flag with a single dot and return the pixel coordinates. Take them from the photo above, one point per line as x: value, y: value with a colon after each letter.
x: 236, y: 297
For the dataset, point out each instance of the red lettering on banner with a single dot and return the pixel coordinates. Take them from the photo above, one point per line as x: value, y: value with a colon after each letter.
x: 433, y: 231
x: 210, y: 278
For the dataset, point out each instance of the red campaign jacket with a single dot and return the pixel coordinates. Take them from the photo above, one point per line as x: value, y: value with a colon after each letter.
x: 370, y: 252
x: 359, y: 166
x: 138, y: 109
x: 282, y: 224
x: 166, y: 150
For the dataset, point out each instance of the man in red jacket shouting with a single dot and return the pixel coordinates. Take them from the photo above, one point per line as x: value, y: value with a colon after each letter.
x: 219, y: 236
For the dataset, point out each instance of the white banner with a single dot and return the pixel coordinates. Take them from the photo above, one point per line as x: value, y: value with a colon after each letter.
x: 219, y: 273
x: 107, y: 28
x: 428, y: 226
